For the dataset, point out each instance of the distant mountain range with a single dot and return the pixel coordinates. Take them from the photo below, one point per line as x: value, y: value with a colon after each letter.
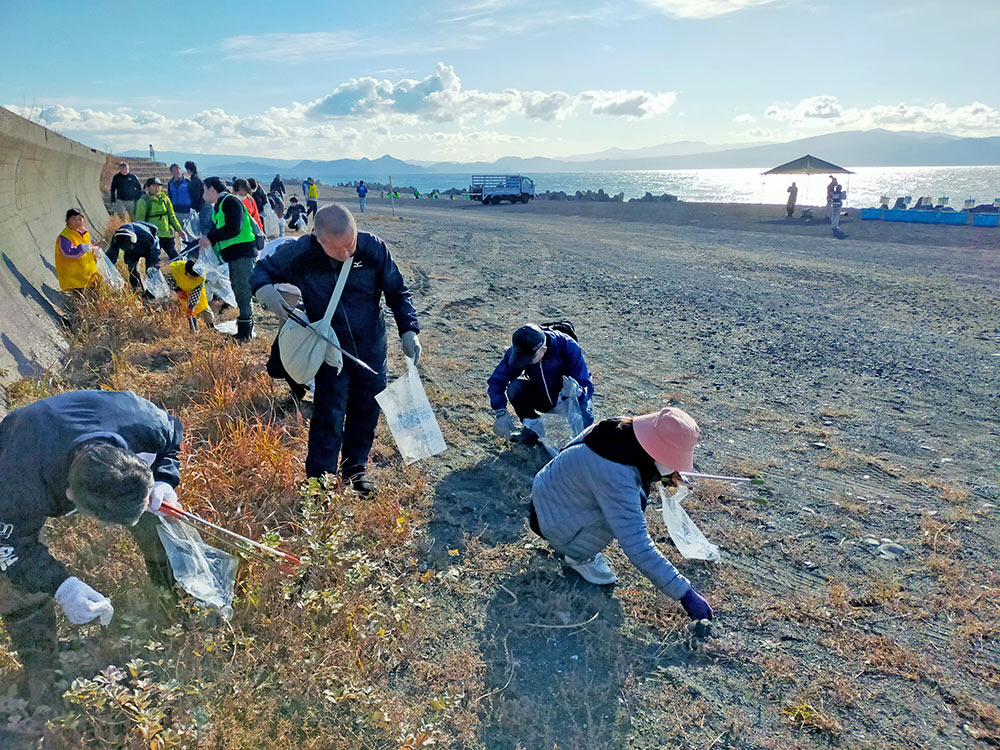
x: 870, y: 148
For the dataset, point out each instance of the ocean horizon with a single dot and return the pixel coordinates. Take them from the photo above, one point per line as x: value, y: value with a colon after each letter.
x: 864, y: 188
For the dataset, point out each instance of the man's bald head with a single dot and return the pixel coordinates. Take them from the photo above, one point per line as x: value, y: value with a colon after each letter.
x: 336, y: 231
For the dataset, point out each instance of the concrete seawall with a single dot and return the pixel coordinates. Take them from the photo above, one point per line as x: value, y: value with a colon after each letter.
x: 41, y: 175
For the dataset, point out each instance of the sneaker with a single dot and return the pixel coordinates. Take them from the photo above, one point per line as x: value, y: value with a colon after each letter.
x: 363, y: 485
x: 595, y: 570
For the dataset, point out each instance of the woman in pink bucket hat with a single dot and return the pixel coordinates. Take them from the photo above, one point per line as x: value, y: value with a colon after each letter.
x: 595, y: 491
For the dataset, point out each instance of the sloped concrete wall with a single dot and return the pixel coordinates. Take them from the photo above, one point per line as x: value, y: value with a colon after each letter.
x: 41, y: 175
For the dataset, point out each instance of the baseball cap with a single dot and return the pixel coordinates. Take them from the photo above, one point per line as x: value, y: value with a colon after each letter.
x: 527, y: 340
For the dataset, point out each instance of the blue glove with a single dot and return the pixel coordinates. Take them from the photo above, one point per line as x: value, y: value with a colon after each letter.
x: 696, y: 606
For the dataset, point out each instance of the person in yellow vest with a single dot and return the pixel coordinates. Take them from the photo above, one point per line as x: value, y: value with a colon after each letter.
x: 312, y: 198
x: 155, y: 207
x: 76, y: 264
x: 190, y: 288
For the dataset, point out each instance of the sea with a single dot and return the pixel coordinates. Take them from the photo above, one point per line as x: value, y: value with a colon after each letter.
x: 864, y: 188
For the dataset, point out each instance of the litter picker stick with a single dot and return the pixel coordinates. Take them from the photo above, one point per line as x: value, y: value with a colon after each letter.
x: 231, y: 536
x: 305, y: 324
x: 695, y: 475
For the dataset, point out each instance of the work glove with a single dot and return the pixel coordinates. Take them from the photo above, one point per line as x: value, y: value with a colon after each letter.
x: 162, y: 492
x: 271, y: 300
x: 503, y: 425
x: 411, y: 345
x: 696, y: 606
x: 570, y: 388
x: 82, y: 603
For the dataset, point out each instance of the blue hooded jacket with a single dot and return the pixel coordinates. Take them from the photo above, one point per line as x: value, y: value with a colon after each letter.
x: 36, y: 443
x: 564, y: 357
x: 358, y: 320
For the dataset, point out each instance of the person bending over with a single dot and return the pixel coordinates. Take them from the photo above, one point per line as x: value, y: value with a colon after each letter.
x: 595, y: 491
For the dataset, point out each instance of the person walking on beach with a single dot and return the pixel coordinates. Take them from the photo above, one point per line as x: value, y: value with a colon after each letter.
x: 234, y: 240
x: 596, y: 490
x: 362, y: 195
x: 836, y: 205
x: 793, y: 194
x: 312, y: 198
x: 125, y: 191
x: 545, y: 356
x: 829, y: 196
x: 109, y: 455
x: 345, y: 413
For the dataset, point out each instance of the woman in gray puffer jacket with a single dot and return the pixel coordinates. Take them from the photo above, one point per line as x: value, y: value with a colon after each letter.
x: 595, y: 491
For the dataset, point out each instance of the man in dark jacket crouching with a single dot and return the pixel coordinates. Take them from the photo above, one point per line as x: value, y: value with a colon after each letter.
x: 109, y: 455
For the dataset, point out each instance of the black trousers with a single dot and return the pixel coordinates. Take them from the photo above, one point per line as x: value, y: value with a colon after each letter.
x: 529, y: 400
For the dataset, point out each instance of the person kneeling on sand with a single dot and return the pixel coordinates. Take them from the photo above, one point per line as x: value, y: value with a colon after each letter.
x: 544, y: 356
x: 595, y: 491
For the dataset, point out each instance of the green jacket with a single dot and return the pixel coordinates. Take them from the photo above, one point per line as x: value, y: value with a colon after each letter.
x: 158, y: 211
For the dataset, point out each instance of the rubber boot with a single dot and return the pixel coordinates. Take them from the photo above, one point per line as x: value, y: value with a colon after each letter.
x: 244, y: 331
x: 34, y: 636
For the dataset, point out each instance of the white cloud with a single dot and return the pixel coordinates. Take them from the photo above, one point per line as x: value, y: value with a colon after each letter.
x: 701, y: 9
x: 745, y: 118
x: 825, y: 113
x: 632, y: 104
x: 758, y: 133
x: 360, y: 116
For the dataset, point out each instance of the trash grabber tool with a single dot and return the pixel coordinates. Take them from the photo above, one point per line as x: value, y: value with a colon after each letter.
x: 293, y: 314
x: 695, y: 475
x: 288, y: 560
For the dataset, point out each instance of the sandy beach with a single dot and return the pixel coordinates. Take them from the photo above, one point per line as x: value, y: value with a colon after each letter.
x: 858, y: 376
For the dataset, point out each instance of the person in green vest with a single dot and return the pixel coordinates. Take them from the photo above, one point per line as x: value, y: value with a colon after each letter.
x: 232, y: 238
x: 155, y: 207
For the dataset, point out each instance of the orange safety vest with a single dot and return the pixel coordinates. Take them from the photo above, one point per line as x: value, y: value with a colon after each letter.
x: 76, y: 273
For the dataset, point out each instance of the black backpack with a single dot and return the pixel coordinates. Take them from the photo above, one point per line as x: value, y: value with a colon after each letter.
x: 563, y: 326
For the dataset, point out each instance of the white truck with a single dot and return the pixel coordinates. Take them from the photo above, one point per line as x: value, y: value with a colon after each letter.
x: 493, y: 188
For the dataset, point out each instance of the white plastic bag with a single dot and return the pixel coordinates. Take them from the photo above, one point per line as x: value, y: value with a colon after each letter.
x: 108, y: 271
x: 155, y: 284
x: 410, y: 417
x: 192, y: 225
x: 216, y: 273
x: 272, y: 226
x: 687, y: 537
x: 564, y: 422
x: 206, y: 573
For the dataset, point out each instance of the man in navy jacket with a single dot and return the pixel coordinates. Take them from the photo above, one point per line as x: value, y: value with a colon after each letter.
x: 544, y: 356
x: 110, y: 455
x: 345, y: 413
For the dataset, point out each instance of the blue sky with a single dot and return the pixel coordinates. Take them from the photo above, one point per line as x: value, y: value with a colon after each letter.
x: 484, y: 78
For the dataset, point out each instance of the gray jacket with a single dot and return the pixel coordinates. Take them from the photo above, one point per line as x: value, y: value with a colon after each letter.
x: 584, y: 501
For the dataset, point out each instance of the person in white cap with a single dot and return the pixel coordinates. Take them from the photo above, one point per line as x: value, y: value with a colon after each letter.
x: 595, y: 491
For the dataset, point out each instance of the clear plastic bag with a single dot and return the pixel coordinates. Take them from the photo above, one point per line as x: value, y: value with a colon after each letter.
x: 216, y: 273
x: 410, y: 417
x: 192, y: 225
x: 272, y: 225
x: 565, y: 421
x: 687, y: 537
x: 108, y: 271
x: 155, y: 284
x: 206, y: 573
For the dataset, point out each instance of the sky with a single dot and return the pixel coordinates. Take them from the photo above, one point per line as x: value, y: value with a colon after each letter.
x: 479, y: 79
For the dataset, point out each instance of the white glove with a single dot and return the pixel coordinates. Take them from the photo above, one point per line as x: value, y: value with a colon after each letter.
x: 271, y: 300
x: 82, y: 603
x: 503, y: 425
x: 570, y: 388
x: 411, y: 345
x: 161, y: 491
